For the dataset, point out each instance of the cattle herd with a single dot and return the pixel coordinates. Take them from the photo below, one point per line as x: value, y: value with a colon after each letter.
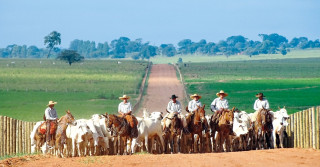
x: 86, y: 137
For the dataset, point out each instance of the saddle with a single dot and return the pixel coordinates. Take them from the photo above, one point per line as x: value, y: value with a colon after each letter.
x: 43, y: 128
x: 133, y: 122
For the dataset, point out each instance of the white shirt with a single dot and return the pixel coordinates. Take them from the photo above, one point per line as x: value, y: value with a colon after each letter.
x: 258, y: 104
x: 51, y: 114
x: 124, y: 107
x: 174, y: 107
x: 218, y: 104
x: 193, y: 105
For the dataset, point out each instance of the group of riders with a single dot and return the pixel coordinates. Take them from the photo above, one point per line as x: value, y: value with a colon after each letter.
x: 174, y: 108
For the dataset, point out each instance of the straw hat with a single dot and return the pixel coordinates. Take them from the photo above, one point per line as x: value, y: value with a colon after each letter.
x: 260, y: 95
x: 195, y: 95
x: 124, y: 97
x: 51, y: 103
x: 222, y: 92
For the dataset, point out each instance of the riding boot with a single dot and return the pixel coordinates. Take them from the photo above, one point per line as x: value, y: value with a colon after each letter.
x: 48, y: 135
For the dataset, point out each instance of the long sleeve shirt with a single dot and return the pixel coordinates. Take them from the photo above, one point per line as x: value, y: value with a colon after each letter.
x: 193, y: 105
x: 51, y: 114
x: 124, y: 107
x: 218, y: 104
x: 174, y: 107
x: 258, y: 104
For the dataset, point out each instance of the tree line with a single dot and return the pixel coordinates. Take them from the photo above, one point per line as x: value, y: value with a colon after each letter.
x: 137, y: 49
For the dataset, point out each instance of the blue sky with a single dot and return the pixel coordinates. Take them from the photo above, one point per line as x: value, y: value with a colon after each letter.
x: 165, y: 21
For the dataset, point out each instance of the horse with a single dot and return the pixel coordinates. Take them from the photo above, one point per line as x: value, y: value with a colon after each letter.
x: 224, y: 130
x: 37, y: 137
x: 122, y: 128
x: 63, y: 123
x: 195, y: 126
x: 263, y: 129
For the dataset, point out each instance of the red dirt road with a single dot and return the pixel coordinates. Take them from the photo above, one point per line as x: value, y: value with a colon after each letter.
x: 163, y: 82
x: 267, y: 158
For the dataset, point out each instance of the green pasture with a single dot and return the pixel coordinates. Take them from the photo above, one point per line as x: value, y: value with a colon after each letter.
x: 293, y: 54
x: 85, y: 88
x: 294, y: 83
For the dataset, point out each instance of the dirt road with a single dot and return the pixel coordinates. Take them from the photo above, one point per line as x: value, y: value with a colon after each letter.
x: 267, y: 158
x: 163, y: 82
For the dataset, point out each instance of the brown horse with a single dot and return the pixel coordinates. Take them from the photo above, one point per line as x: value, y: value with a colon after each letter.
x: 63, y: 123
x: 122, y: 128
x: 263, y: 128
x: 224, y: 129
x: 195, y: 125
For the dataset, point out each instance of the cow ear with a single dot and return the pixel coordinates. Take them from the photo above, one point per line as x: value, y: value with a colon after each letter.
x: 279, y: 107
x: 204, y: 106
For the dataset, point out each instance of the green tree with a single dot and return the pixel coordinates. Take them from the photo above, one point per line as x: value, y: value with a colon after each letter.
x: 52, y: 40
x: 70, y: 56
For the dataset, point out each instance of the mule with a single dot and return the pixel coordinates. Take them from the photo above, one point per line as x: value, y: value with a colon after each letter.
x: 195, y: 125
x: 63, y: 123
x: 224, y: 129
x: 122, y: 128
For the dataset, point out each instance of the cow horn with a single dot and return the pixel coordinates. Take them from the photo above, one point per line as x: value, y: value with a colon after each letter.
x: 284, y: 107
x: 279, y: 107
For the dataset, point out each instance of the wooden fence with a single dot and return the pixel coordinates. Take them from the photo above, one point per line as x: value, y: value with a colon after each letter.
x: 14, y: 136
x: 303, y: 129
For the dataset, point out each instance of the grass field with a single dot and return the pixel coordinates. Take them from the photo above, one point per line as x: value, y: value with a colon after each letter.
x: 91, y: 87
x: 294, y: 83
x: 293, y: 54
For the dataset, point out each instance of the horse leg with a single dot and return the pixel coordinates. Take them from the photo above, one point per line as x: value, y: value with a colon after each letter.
x: 124, y: 140
x: 228, y: 143
x: 146, y: 142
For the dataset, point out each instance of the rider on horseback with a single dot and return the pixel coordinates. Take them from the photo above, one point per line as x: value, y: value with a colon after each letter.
x: 193, y: 105
x: 219, y: 104
x: 51, y: 118
x: 261, y: 102
x: 125, y: 110
x: 174, y: 108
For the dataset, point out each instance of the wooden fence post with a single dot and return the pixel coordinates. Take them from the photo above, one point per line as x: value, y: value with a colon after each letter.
x: 301, y: 129
x: 8, y: 136
x: 1, y: 135
x: 295, y: 139
x: 23, y: 137
x: 4, y: 135
x: 318, y: 128
x: 306, y: 128
x: 313, y: 129
x: 20, y: 136
x: 14, y: 138
x: 310, y: 127
x: 288, y: 132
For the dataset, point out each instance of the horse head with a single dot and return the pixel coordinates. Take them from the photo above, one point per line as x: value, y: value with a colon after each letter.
x: 108, y: 120
x: 200, y: 115
x: 175, y: 124
x: 70, y: 119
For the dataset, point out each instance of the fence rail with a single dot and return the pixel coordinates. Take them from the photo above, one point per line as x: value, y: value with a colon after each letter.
x: 303, y: 132
x: 303, y: 129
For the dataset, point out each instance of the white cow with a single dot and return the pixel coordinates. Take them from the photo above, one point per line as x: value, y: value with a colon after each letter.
x: 148, y: 127
x: 94, y: 140
x: 104, y: 134
x: 241, y: 123
x: 279, y: 123
x: 77, y: 138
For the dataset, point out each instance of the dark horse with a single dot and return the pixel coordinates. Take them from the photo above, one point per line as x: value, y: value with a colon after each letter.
x: 122, y: 127
x: 263, y: 129
x: 173, y: 134
x: 195, y: 126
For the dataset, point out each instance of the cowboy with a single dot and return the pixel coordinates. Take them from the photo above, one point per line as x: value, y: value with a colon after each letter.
x: 125, y: 111
x: 219, y: 104
x: 51, y: 117
x: 174, y: 108
x: 193, y: 105
x: 261, y: 102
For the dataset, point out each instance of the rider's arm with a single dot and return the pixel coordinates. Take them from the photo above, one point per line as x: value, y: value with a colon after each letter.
x: 267, y: 104
x: 255, y: 106
x: 190, y: 106
x: 213, y: 105
x: 227, y: 104
x: 169, y: 107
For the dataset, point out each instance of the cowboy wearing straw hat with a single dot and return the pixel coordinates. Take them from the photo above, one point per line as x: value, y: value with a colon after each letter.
x: 219, y: 104
x: 125, y: 110
x: 194, y: 103
x: 51, y: 117
x: 174, y: 108
x: 261, y: 102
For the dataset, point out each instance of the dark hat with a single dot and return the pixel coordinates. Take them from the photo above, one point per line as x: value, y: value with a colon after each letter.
x: 174, y: 97
x: 260, y: 95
